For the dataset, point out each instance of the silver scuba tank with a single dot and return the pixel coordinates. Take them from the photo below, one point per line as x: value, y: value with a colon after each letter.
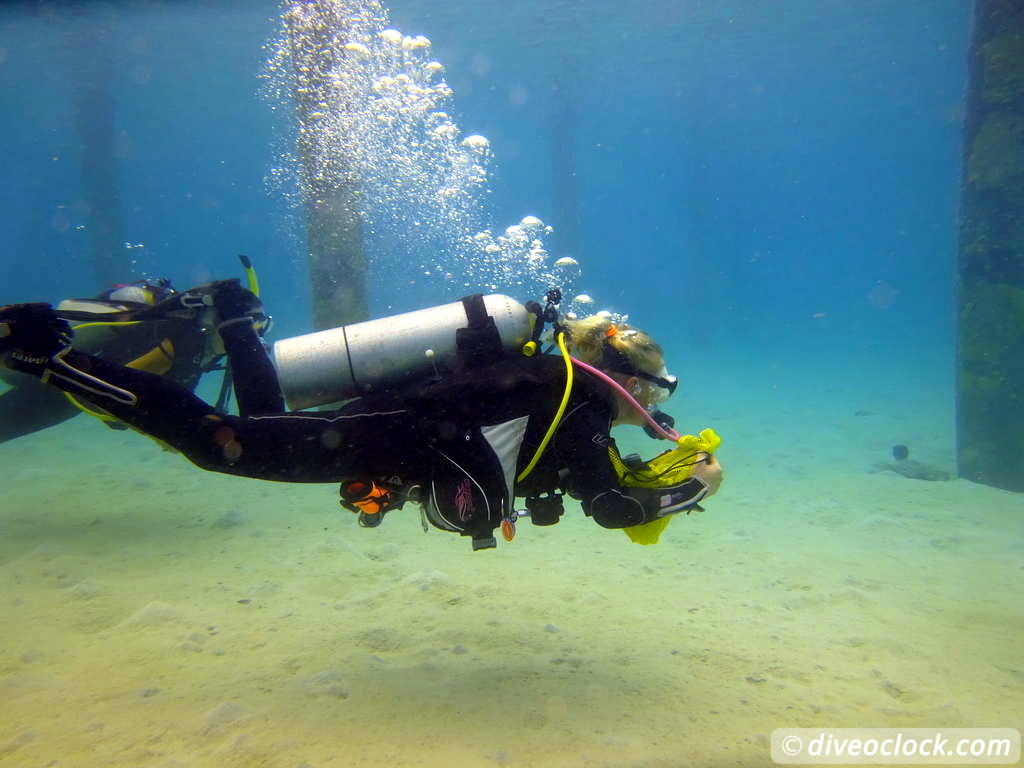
x: 340, y: 363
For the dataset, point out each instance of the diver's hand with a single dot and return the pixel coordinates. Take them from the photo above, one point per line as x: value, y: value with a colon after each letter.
x: 30, y: 335
x: 234, y: 302
x: 710, y: 471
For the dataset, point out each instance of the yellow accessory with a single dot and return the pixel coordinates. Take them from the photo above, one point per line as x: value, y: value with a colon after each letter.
x: 665, y: 470
x: 104, y: 324
x: 558, y: 414
x: 158, y: 360
x: 250, y: 274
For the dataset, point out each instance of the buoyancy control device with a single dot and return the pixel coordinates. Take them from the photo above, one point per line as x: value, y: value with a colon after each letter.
x: 469, y: 488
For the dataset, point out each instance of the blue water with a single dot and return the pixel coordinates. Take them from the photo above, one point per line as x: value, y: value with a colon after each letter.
x: 758, y: 164
x: 771, y: 189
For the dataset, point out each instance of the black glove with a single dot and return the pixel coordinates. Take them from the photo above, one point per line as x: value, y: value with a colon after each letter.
x: 30, y: 335
x: 232, y: 301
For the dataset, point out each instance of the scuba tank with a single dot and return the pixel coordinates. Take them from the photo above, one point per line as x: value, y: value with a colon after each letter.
x: 340, y: 363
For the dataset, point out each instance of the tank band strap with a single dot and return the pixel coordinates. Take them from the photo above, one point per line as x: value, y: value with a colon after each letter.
x: 479, y: 343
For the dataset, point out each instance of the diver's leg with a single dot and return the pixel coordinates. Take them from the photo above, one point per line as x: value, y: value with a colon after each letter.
x: 288, y: 447
x: 255, y: 378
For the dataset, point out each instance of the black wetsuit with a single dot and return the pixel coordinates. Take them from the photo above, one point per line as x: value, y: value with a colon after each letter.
x: 29, y: 406
x: 459, y: 436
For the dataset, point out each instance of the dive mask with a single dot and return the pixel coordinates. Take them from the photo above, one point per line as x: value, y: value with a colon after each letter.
x: 664, y: 382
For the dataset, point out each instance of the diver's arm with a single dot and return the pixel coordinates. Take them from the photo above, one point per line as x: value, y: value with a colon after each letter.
x: 624, y: 507
x: 583, y: 437
x: 595, y: 483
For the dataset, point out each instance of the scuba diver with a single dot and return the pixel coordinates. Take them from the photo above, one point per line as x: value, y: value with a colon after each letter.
x: 127, y: 325
x: 173, y: 347
x: 475, y: 428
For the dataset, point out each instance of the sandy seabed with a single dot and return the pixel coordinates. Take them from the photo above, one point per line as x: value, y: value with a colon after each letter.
x: 156, y: 615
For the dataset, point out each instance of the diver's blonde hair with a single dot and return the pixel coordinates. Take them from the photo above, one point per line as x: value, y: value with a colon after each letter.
x: 588, y: 335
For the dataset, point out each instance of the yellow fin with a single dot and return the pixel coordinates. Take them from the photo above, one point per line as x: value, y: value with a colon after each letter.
x: 158, y: 360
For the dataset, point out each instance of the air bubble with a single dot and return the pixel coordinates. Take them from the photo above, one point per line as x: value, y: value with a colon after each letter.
x: 476, y: 142
x: 384, y: 124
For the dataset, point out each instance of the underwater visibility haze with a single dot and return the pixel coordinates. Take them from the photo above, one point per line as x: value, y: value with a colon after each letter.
x: 771, y: 190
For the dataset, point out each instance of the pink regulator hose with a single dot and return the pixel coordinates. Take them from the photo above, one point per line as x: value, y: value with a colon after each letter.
x: 668, y: 434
